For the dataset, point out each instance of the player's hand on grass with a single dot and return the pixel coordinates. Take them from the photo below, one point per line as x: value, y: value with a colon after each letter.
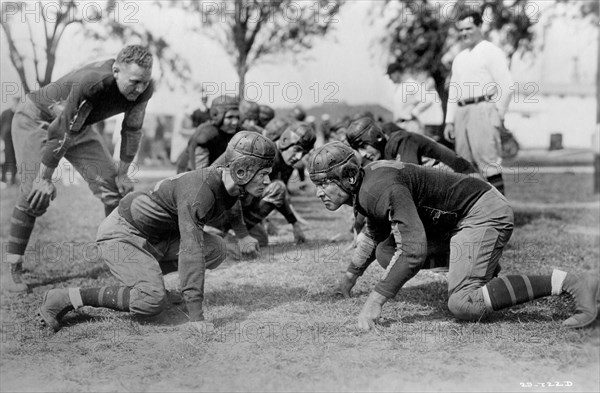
x: 41, y: 194
x: 249, y: 246
x: 346, y: 284
x: 371, y: 311
x: 299, y: 237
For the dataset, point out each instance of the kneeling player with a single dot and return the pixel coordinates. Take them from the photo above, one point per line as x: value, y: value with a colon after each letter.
x: 153, y: 231
x: 400, y: 201
x: 295, y: 142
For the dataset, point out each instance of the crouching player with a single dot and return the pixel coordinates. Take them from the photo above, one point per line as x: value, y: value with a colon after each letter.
x: 154, y: 230
x: 295, y: 142
x: 400, y: 201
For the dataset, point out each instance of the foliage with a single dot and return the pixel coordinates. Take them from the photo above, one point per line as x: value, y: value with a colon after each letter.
x: 97, y: 21
x: 251, y: 31
x: 420, y: 37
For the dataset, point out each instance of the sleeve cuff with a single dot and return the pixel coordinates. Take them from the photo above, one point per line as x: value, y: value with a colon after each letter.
x: 384, y: 293
x: 292, y: 219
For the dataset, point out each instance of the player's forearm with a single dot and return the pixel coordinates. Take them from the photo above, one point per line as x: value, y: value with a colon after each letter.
x: 454, y: 161
x: 363, y: 255
x: 192, y: 271
x: 58, y: 142
x: 411, y: 252
x: 45, y: 172
x: 192, y: 284
x: 130, y: 144
x: 402, y: 268
x: 287, y: 212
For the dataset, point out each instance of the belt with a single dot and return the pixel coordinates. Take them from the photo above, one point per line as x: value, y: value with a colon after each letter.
x: 474, y: 100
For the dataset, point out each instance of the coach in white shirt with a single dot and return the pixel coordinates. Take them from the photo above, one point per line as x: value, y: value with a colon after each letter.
x: 480, y: 91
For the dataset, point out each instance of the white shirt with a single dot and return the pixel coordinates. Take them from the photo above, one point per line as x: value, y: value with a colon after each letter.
x: 480, y: 71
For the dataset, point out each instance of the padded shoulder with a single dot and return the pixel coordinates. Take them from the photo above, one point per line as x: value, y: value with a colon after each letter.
x: 204, y: 133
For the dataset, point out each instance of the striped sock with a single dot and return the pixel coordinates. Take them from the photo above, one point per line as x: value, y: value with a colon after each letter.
x: 509, y: 291
x: 21, y: 226
x: 115, y: 298
x: 497, y: 181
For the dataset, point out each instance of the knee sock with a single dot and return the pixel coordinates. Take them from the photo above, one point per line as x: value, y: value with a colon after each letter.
x: 115, y: 298
x: 21, y: 226
x: 502, y: 292
x: 497, y: 181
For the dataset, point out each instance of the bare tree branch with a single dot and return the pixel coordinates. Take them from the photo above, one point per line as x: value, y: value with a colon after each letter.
x: 15, y: 56
x: 34, y: 49
x: 97, y: 26
x: 257, y: 29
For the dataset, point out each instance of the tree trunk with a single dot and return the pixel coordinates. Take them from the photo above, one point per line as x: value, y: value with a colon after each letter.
x: 242, y: 77
x: 439, y: 78
x: 440, y: 86
x: 16, y: 59
x: 50, y: 63
x: 596, y: 140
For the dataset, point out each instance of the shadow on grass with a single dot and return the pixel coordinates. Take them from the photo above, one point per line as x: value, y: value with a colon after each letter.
x: 524, y: 217
x: 253, y: 297
x: 434, y: 295
x: 311, y: 215
x: 249, y: 297
x: 78, y: 318
x: 35, y: 280
x: 325, y: 250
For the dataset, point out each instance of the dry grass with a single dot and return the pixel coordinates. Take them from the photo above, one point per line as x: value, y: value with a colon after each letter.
x: 278, y: 327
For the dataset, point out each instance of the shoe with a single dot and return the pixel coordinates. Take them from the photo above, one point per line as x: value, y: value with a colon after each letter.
x: 11, y: 279
x: 175, y: 297
x: 586, y: 293
x: 56, y: 304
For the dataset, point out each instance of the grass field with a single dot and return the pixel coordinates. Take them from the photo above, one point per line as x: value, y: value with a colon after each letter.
x: 279, y: 328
